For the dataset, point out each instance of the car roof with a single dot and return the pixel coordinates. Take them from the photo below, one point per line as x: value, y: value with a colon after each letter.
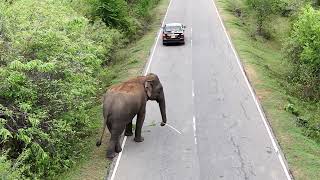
x: 174, y: 24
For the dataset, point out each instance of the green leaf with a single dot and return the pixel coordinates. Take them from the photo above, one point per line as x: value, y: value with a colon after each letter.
x: 5, y: 134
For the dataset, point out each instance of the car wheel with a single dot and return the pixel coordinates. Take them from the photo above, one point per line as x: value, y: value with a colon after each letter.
x: 164, y: 43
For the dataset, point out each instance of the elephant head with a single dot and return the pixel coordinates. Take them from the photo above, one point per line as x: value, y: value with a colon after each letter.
x: 155, y: 92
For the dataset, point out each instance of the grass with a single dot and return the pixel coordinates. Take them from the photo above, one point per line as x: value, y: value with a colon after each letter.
x: 263, y: 63
x: 130, y: 62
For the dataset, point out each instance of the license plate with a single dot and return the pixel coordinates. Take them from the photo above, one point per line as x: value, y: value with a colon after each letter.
x: 173, y: 36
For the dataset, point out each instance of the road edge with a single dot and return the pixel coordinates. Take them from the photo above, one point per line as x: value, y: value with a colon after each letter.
x: 260, y: 108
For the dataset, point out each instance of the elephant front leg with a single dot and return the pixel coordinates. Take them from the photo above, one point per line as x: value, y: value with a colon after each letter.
x: 128, y: 131
x: 140, y: 120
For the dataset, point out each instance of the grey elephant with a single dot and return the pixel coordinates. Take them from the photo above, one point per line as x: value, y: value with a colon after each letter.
x: 122, y: 102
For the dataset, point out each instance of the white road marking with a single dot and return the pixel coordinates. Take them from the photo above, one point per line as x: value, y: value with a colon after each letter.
x: 283, y: 164
x: 146, y: 71
x: 193, y: 95
x: 158, y: 37
x: 119, y: 157
x: 194, y: 129
x: 191, y: 38
x: 173, y: 128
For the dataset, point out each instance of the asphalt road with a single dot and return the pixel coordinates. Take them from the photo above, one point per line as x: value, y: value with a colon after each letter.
x: 223, y: 133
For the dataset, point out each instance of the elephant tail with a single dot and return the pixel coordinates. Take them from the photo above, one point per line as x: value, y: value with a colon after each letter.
x: 103, y: 129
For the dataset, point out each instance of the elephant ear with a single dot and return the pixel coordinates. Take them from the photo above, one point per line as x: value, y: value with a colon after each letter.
x: 148, y: 87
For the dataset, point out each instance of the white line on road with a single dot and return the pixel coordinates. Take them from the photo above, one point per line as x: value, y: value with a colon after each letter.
x: 158, y: 37
x: 254, y: 97
x: 191, y: 38
x: 119, y: 157
x: 193, y: 89
x: 194, y: 129
x: 146, y: 71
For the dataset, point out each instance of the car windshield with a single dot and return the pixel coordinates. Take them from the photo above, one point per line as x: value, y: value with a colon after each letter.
x: 173, y: 28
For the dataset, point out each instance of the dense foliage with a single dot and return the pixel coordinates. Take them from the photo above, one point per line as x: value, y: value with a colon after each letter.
x: 52, y: 53
x: 303, y: 50
x: 130, y: 17
x: 262, y: 9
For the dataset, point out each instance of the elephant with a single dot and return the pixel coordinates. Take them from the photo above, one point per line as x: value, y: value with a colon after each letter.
x: 123, y: 101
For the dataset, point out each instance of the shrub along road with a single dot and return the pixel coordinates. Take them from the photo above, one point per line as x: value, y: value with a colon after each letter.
x: 223, y: 132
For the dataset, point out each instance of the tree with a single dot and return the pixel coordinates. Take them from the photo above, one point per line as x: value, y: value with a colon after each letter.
x: 263, y: 9
x: 303, y: 51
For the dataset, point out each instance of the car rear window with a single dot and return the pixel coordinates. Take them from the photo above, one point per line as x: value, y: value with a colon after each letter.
x: 173, y: 28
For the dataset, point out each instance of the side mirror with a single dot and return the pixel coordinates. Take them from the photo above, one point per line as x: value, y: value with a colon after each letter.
x: 184, y: 26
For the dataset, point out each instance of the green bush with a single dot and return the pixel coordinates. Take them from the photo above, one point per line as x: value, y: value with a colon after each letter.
x: 115, y: 13
x: 51, y: 57
x: 7, y: 171
x: 142, y: 8
x: 131, y: 17
x: 54, y: 65
x: 236, y: 7
x: 289, y: 7
x: 303, y: 51
x: 263, y: 9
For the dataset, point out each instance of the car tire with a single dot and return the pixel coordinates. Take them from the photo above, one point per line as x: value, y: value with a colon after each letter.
x: 164, y: 43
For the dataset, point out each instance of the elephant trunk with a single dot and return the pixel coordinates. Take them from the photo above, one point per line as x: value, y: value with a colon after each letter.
x: 162, y: 106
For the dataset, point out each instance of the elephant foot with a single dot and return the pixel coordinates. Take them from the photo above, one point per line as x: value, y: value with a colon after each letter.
x: 138, y: 139
x: 118, y: 149
x: 128, y: 133
x: 111, y: 155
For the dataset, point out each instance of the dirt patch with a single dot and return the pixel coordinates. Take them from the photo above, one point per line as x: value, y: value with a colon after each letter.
x: 251, y: 73
x: 263, y: 93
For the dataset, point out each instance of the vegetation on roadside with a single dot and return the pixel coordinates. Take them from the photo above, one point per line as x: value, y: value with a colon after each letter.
x: 56, y: 58
x: 129, y: 62
x: 278, y: 42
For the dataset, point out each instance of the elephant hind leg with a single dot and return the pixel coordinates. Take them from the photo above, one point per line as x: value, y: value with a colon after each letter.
x: 111, y: 149
x: 118, y: 147
x: 114, y: 143
x: 128, y: 131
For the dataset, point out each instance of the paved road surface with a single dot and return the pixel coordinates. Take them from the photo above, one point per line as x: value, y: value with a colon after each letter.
x: 223, y: 135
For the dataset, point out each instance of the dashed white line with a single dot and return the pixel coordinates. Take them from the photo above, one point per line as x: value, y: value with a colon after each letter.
x: 254, y: 97
x: 191, y: 38
x: 194, y: 129
x: 146, y: 71
x: 193, y: 95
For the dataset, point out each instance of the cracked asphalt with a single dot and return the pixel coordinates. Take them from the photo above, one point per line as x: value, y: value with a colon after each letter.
x: 223, y: 135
